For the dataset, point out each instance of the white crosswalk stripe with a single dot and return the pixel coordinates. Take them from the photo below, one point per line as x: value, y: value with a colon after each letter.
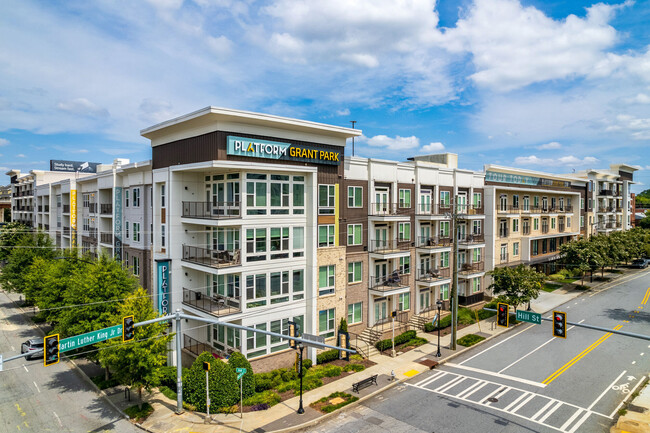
x: 537, y: 408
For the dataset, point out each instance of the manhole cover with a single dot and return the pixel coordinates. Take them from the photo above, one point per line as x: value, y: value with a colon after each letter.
x: 493, y: 400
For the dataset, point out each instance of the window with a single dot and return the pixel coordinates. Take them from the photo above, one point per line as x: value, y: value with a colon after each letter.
x: 256, y: 290
x: 476, y: 227
x: 279, y: 287
x: 536, y: 201
x: 504, y: 252
x: 444, y: 259
x: 515, y: 201
x: 404, y: 198
x: 279, y: 242
x: 354, y: 234
x: 151, y: 232
x: 444, y: 229
x: 136, y: 197
x: 226, y: 285
x: 256, y: 194
x: 326, y: 235
x: 86, y: 200
x: 476, y: 255
x: 354, y: 272
x: 444, y: 198
x: 136, y: 266
x: 515, y: 225
x: 552, y: 223
x: 476, y: 285
x: 444, y: 292
x: 255, y: 243
x: 582, y: 221
x: 326, y: 199
x: 404, y: 302
x: 405, y: 265
x: 136, y: 232
x: 534, y: 247
x: 535, y: 223
x: 126, y: 198
x: 162, y: 235
x: 354, y: 313
x: 326, y: 323
x: 326, y: 280
x: 298, y: 241
x: 298, y: 195
x: 279, y: 327
x: 515, y: 249
x: 256, y: 341
x: 404, y: 230
x: 477, y: 200
x: 582, y: 203
x: 298, y: 284
x: 162, y: 195
x: 126, y: 229
x: 355, y: 196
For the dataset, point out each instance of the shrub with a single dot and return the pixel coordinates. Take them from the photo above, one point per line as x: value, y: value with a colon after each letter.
x: 470, y: 340
x: 332, y: 407
x: 167, y: 392
x: 324, y: 371
x: 483, y: 314
x: 168, y: 377
x: 308, y: 383
x: 417, y: 341
x: 327, y: 356
x: 262, y: 406
x: 224, y: 389
x: 354, y: 367
x: 556, y: 277
x: 356, y: 357
x: 344, y: 325
x: 428, y: 327
x: 289, y: 375
x: 382, y: 345
x: 237, y: 360
x: 269, y: 398
x: 306, y: 363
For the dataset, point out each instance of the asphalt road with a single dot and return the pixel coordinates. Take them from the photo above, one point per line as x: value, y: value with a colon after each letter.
x: 34, y: 398
x: 526, y: 380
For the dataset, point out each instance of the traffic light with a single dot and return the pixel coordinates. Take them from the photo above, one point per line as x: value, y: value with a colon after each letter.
x: 128, y: 328
x: 503, y: 316
x: 292, y: 333
x: 559, y: 324
x: 51, y: 348
x: 206, y: 366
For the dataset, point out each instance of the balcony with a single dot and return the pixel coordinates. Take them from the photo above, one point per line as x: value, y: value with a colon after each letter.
x: 195, y: 347
x: 66, y: 208
x: 388, y: 283
x: 92, y: 232
x: 216, y: 304
x: 471, y: 268
x: 432, y: 275
x: 606, y: 192
x: 470, y: 299
x: 544, y: 228
x: 46, y: 208
x: 388, y: 247
x: 525, y: 231
x: 503, y: 232
x: 66, y: 231
x: 471, y: 238
x: 431, y: 209
x: 211, y: 210
x: 560, y: 228
x: 433, y: 242
x: 106, y: 238
x: 503, y: 258
x: 470, y: 209
x: 602, y: 209
x: 388, y: 209
x: 212, y: 258
x: 508, y: 209
x: 106, y: 209
x: 92, y: 207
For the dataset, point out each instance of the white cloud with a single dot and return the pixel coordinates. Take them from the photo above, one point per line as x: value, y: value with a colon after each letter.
x: 640, y: 98
x: 636, y: 128
x: 21, y: 155
x: 397, y: 143
x: 82, y: 107
x: 4, y: 142
x: 433, y: 147
x: 551, y: 145
x: 569, y: 160
x: 343, y: 112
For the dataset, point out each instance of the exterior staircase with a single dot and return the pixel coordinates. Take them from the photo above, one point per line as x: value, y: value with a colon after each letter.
x: 369, y: 337
x: 418, y: 322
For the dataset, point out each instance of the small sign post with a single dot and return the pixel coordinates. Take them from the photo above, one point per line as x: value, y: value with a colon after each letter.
x: 240, y: 377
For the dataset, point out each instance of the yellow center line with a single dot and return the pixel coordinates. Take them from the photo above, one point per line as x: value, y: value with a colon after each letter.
x: 645, y: 298
x: 579, y: 356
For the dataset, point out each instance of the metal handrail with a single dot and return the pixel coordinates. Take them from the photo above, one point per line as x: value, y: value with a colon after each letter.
x: 215, y: 304
x: 388, y: 209
x: 433, y: 241
x: 428, y: 275
x: 356, y: 342
x: 213, y: 258
x: 388, y: 246
x: 211, y: 210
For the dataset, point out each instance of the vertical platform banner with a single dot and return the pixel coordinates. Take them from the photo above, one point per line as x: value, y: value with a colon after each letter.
x: 117, y: 228
x: 163, y: 286
x: 73, y: 218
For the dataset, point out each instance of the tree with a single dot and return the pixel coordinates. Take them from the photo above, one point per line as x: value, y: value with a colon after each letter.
x: 516, y: 285
x: 10, y: 235
x: 137, y: 363
x: 343, y: 327
x: 27, y: 248
x: 644, y: 223
x: 224, y: 389
x: 237, y: 360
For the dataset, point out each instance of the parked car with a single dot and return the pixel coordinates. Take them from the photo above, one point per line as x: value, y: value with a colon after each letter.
x: 34, y: 345
x: 640, y: 263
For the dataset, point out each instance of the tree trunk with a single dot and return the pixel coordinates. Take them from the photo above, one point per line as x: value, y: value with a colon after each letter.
x: 107, y: 374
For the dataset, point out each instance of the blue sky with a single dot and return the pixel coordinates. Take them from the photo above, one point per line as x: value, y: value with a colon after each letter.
x: 545, y: 85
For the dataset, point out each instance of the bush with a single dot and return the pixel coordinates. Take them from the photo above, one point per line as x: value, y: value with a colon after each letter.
x: 224, y: 389
x: 306, y: 363
x: 168, y: 377
x: 332, y: 407
x: 237, y: 360
x: 327, y: 356
x: 417, y: 341
x: 344, y: 325
x: 470, y: 340
x: 356, y: 357
x: 428, y: 327
x: 483, y: 314
x: 102, y: 383
x: 382, y: 345
x: 269, y: 398
x: 556, y: 277
x: 308, y: 383
x: 258, y: 407
x: 324, y: 371
x: 354, y: 367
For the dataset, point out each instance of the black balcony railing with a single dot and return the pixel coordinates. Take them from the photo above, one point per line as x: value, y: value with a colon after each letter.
x: 211, y: 210
x: 544, y: 228
x: 66, y: 231
x: 106, y: 208
x: 195, y: 346
x: 92, y: 207
x: 503, y: 232
x: 66, y: 208
x: 388, y: 246
x: 470, y: 299
x: 508, y: 209
x: 471, y: 268
x: 433, y: 242
x: 390, y: 282
x: 431, y: 209
x: 215, y: 304
x: 212, y: 258
x: 388, y: 209
x: 472, y: 238
x: 503, y: 258
x: 432, y: 275
x: 106, y: 238
x: 606, y: 192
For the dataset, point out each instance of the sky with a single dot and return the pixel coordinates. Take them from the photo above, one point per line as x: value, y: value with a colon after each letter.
x: 552, y: 86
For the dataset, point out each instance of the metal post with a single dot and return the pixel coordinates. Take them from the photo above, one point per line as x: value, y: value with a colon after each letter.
x: 393, y: 351
x: 241, y: 397
x: 207, y: 397
x: 300, y: 408
x: 439, y: 304
x: 454, y: 284
x: 179, y: 368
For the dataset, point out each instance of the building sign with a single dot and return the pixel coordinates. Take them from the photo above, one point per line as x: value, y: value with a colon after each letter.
x: 494, y: 176
x: 163, y: 286
x: 117, y: 228
x: 73, y: 218
x: 256, y: 148
x: 74, y: 166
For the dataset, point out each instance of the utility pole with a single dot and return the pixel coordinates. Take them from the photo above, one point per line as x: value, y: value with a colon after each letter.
x: 454, y: 279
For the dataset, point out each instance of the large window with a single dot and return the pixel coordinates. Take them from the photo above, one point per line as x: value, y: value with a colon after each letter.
x: 444, y: 292
x: 404, y: 231
x: 476, y: 284
x: 354, y: 234
x: 326, y: 235
x: 279, y: 242
x: 534, y: 247
x: 298, y: 284
x: 136, y: 197
x: 404, y: 198
x: 404, y: 302
x: 326, y: 199
x: 355, y: 196
x: 256, y: 341
x: 326, y: 320
x: 476, y: 227
x: 515, y: 249
x: 326, y: 280
x: 355, y: 313
x: 444, y: 198
x: 477, y: 202
x: 476, y: 255
x: 354, y: 272
x: 126, y: 198
x: 279, y: 287
x: 226, y: 285
x: 136, y: 232
x: 298, y: 241
x: 255, y: 244
x: 256, y: 290
x: 136, y: 266
x: 256, y: 194
x: 515, y: 225
x: 444, y: 229
x: 126, y: 229
x: 444, y: 259
x: 298, y: 195
x: 405, y: 265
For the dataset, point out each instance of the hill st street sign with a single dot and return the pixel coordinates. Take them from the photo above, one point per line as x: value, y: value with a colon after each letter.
x: 529, y: 316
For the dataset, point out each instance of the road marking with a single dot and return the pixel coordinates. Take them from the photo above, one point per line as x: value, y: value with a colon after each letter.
x: 541, y: 411
x: 579, y: 356
x: 570, y: 420
x: 642, y: 353
x: 502, y: 341
x: 503, y: 391
x: 645, y: 298
x: 628, y: 396
x: 619, y: 282
x: 606, y: 389
x: 432, y: 378
x: 466, y: 395
x: 37, y: 387
x: 58, y: 419
x: 25, y: 368
x: 478, y: 382
x: 523, y: 403
x: 12, y: 349
x: 517, y: 400
x: 533, y: 351
x: 450, y: 384
x: 492, y: 373
x: 550, y: 412
x: 581, y: 421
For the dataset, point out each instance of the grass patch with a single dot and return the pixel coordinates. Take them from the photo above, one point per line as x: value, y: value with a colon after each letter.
x: 470, y: 340
x: 549, y: 287
x: 325, y: 406
x: 167, y: 392
x: 568, y: 280
x: 268, y: 398
x: 103, y: 383
x: 138, y: 413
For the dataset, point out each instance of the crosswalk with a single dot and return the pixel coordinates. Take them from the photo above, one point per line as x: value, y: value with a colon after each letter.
x: 540, y: 409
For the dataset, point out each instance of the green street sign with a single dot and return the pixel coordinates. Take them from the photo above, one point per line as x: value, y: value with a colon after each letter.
x: 240, y: 372
x: 529, y: 316
x: 93, y: 337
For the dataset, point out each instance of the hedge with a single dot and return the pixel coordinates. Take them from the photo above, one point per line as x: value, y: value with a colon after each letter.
x: 224, y: 389
x: 269, y: 398
x: 327, y: 356
x: 470, y: 340
x: 237, y: 360
x: 382, y: 345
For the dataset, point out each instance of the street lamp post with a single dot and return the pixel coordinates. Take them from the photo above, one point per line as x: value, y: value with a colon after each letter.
x: 453, y: 215
x: 439, y: 304
x: 301, y: 410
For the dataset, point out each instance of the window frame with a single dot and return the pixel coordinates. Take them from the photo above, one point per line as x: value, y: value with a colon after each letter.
x: 355, y: 193
x: 330, y: 276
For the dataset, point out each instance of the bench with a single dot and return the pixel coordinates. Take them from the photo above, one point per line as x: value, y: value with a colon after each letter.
x: 364, y: 383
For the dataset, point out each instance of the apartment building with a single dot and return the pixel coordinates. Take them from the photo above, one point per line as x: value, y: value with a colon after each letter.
x: 5, y: 203
x: 241, y: 232
x: 398, y: 219
x: 530, y: 214
x: 611, y: 197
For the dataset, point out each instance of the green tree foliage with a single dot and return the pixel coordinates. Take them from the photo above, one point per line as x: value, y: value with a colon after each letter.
x: 516, y: 285
x: 643, y: 197
x: 343, y: 327
x: 237, y: 360
x: 10, y: 235
x: 645, y: 222
x: 137, y: 363
x: 28, y: 247
x: 224, y: 389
